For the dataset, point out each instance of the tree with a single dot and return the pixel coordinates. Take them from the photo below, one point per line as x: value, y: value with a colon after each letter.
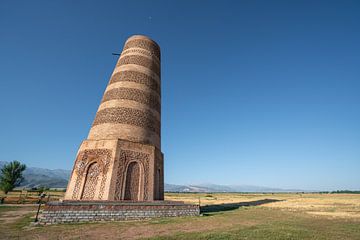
x: 11, y: 176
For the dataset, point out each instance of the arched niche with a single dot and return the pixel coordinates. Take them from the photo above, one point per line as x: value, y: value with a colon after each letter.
x: 133, y: 182
x: 91, y: 181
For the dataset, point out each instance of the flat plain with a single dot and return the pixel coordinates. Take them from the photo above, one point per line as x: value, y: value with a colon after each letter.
x: 224, y: 216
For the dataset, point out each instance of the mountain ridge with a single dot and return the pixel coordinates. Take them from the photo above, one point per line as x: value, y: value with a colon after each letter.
x: 58, y: 178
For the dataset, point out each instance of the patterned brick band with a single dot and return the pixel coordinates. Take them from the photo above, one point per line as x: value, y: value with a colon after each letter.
x: 140, y: 43
x: 141, y: 51
x: 139, y: 60
x: 128, y: 116
x: 137, y: 77
x: 137, y: 95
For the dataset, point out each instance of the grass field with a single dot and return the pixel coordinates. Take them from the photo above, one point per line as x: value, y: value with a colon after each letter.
x: 28, y: 197
x: 225, y: 216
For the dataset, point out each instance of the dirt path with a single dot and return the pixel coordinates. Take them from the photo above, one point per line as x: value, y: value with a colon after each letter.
x: 11, y: 216
x: 147, y: 229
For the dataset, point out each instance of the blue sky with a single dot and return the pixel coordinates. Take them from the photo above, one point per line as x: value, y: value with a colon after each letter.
x: 253, y: 92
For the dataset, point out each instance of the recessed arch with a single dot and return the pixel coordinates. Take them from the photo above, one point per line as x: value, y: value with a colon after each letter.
x: 133, y: 181
x: 91, y: 181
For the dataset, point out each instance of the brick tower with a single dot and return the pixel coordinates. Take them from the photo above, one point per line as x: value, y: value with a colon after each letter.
x: 121, y: 159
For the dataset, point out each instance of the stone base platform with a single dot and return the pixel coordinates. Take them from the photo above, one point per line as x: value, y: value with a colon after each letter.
x: 91, y: 211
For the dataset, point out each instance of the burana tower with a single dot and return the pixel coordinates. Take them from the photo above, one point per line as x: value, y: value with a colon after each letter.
x: 121, y: 159
x: 119, y: 170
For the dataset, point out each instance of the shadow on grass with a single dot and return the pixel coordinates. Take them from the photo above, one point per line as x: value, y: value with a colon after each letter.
x: 232, y: 206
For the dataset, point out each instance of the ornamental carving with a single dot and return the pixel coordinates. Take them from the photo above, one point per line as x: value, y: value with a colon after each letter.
x: 141, y: 61
x: 137, y: 95
x: 91, y: 181
x: 147, y: 45
x: 137, y: 77
x: 84, y: 163
x: 126, y: 158
x: 129, y: 116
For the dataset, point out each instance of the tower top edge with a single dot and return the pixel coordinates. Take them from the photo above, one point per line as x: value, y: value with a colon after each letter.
x: 139, y: 36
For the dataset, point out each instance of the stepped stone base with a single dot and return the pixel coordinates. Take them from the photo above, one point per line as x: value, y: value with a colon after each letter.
x: 92, y: 211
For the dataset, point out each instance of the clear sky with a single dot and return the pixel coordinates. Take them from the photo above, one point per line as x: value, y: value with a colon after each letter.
x: 253, y: 92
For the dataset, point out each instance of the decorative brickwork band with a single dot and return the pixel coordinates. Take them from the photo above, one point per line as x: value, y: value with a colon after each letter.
x: 136, y: 77
x: 139, y: 60
x: 141, y: 51
x: 145, y: 44
x: 128, y: 116
x: 137, y: 95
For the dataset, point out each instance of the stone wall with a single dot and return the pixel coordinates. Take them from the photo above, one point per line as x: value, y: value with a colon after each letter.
x: 72, y: 212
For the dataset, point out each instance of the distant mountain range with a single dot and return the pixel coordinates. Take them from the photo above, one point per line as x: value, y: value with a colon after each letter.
x: 58, y: 178
x: 224, y: 188
x: 35, y: 177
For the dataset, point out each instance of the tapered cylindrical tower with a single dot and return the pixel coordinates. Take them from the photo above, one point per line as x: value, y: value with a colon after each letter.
x: 121, y: 158
x: 130, y: 108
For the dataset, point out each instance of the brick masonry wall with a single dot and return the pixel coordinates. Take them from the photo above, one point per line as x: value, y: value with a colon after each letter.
x: 88, y: 212
x: 132, y: 96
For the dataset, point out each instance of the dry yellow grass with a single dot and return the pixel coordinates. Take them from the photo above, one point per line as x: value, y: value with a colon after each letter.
x: 315, y: 204
x: 327, y: 205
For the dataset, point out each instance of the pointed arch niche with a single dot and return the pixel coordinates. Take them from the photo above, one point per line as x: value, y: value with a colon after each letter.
x: 91, y: 181
x: 134, y: 182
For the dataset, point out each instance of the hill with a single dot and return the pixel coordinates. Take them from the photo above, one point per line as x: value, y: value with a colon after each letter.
x: 36, y: 177
x: 58, y: 178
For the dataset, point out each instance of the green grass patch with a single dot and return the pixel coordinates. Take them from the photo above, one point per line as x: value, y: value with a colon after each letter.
x: 23, y: 222
x: 7, y: 208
